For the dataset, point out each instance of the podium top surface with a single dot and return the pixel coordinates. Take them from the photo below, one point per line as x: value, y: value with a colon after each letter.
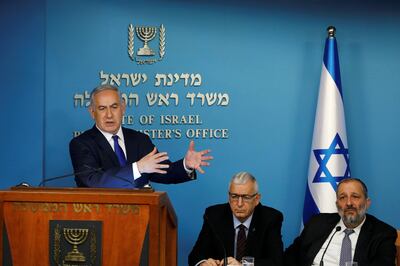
x: 85, y: 195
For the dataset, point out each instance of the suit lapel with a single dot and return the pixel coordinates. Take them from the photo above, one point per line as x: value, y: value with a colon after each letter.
x: 104, y: 146
x: 253, y: 233
x: 227, y: 230
x: 363, y: 240
x: 326, y: 230
x: 130, y: 146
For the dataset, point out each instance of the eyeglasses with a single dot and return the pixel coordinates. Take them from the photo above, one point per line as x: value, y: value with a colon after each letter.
x: 245, y: 197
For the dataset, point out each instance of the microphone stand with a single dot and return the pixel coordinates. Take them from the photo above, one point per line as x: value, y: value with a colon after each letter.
x: 89, y: 170
x: 337, y: 229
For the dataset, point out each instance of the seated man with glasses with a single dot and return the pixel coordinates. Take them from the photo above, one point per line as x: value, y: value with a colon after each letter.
x: 242, y: 227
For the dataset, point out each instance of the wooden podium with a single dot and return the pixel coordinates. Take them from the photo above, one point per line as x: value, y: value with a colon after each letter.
x: 129, y: 227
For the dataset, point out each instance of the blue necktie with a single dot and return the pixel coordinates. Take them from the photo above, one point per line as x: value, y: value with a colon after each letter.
x: 118, y: 151
x: 345, y: 253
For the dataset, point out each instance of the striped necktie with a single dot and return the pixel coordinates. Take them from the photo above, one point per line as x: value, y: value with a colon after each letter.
x: 241, y: 242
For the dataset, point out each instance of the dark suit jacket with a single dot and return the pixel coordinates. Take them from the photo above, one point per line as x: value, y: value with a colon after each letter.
x: 90, y: 151
x: 375, y: 244
x: 264, y: 240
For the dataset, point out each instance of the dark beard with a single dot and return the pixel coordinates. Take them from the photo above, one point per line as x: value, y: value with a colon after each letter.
x: 353, y: 221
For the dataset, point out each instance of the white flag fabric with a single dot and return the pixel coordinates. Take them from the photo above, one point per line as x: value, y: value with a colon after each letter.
x: 329, y: 157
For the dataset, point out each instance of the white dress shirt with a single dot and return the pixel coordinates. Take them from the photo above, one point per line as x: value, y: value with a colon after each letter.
x: 332, y: 255
x: 121, y: 142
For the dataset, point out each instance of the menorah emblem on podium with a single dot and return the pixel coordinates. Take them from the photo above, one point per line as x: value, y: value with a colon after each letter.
x: 146, y: 34
x: 75, y: 236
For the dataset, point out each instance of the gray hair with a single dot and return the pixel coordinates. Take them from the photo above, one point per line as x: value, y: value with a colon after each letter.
x: 354, y: 179
x: 104, y: 88
x: 242, y: 178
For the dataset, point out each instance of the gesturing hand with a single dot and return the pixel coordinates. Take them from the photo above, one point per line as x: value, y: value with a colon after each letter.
x: 151, y: 163
x: 196, y: 159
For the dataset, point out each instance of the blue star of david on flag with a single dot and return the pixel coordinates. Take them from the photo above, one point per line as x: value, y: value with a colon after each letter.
x: 323, y: 156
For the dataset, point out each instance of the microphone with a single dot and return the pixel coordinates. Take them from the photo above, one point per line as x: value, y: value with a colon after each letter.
x: 337, y: 229
x: 99, y: 169
x: 87, y: 171
x: 23, y: 184
x: 92, y: 169
x: 217, y: 236
x: 112, y: 175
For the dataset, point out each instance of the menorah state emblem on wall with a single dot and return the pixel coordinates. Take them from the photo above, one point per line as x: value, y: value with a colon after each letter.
x: 146, y: 53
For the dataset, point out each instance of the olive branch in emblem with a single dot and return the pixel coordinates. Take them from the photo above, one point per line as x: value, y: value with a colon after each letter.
x: 57, y: 239
x: 131, y: 36
x: 162, y: 41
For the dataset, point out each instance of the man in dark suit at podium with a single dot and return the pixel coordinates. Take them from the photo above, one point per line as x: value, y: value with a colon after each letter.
x: 242, y: 227
x: 350, y: 235
x: 111, y: 156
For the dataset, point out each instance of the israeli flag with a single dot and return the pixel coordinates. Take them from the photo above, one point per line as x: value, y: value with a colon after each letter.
x: 329, y: 158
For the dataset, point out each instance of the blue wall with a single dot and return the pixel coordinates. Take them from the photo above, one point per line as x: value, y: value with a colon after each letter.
x: 267, y: 56
x: 22, y: 73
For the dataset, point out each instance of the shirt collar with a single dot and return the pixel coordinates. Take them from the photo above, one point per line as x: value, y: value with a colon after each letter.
x: 246, y: 223
x: 108, y: 135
